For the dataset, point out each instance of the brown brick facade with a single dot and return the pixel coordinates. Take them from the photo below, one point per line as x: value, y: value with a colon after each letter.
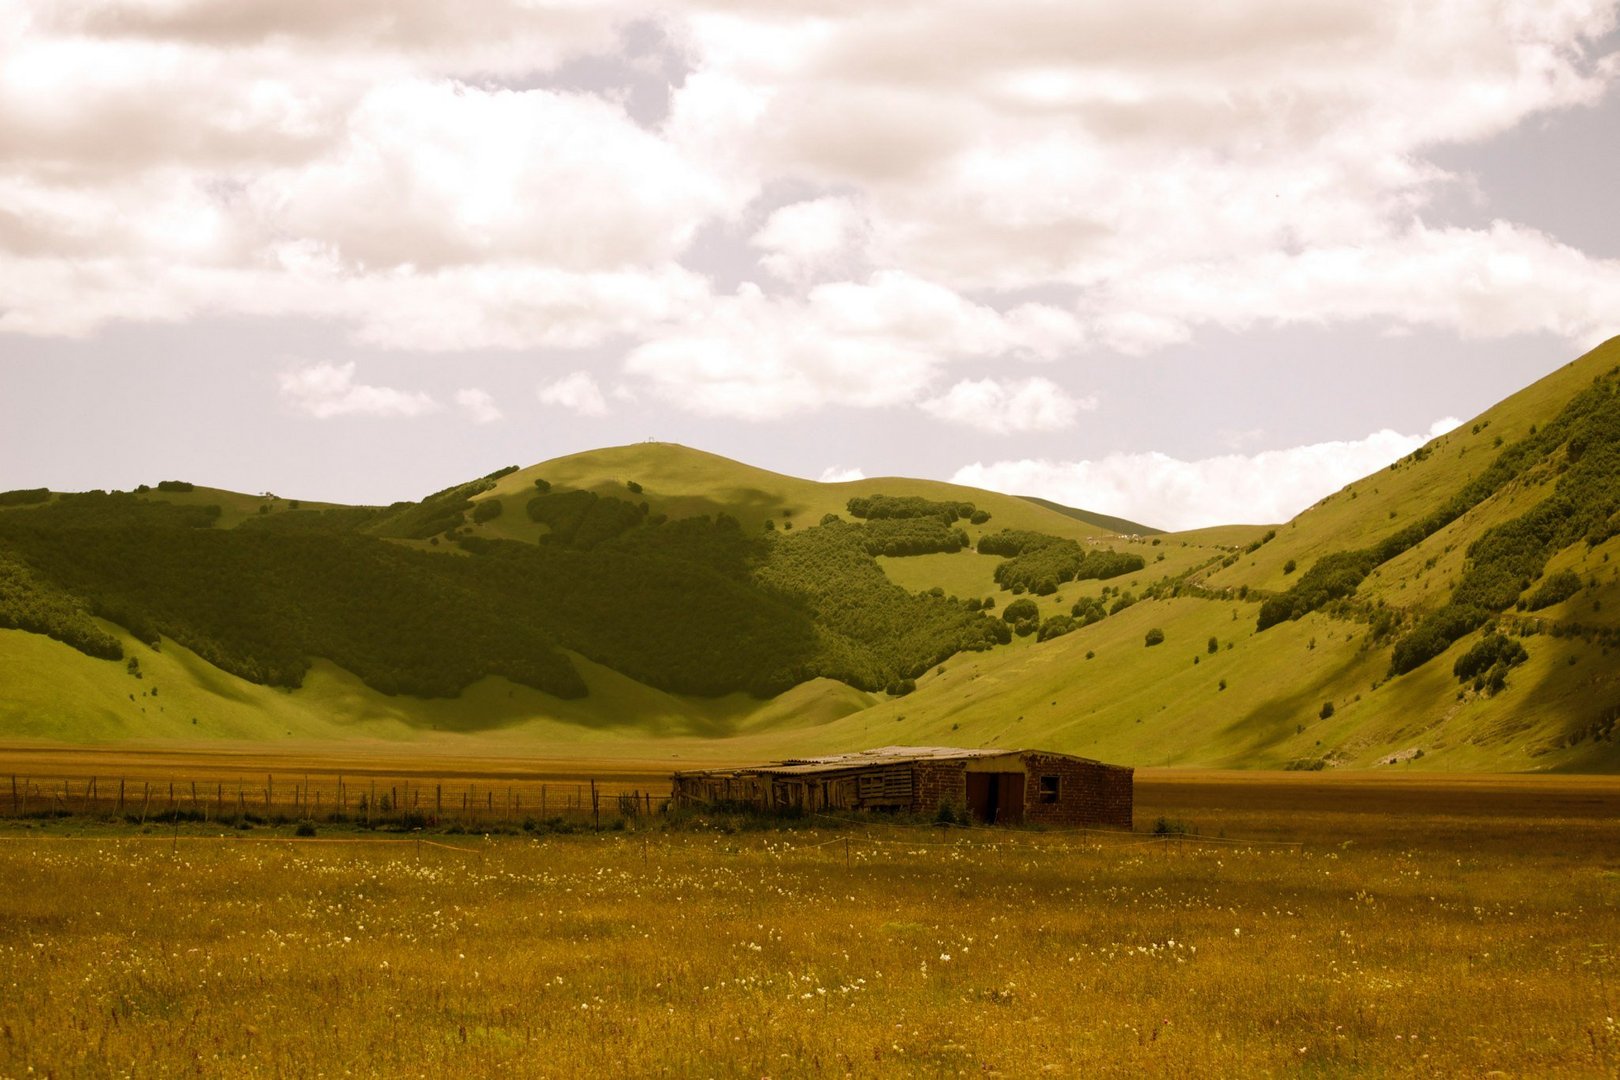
x: 936, y: 784
x: 1088, y: 792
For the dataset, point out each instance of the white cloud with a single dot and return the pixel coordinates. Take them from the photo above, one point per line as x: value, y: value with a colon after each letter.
x: 1163, y: 492
x: 1004, y: 406
x: 168, y: 161
x: 1492, y: 283
x: 1030, y: 146
x: 578, y: 392
x: 411, y: 169
x: 324, y: 390
x: 834, y: 474
x: 873, y: 344
x: 803, y: 239
x: 433, y: 173
x: 479, y: 406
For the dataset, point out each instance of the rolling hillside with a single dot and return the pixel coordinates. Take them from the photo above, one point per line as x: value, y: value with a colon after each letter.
x: 1455, y: 611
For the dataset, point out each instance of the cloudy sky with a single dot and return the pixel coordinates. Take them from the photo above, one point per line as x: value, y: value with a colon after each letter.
x: 1183, y: 263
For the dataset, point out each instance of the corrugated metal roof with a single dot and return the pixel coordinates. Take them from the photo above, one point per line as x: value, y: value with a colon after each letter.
x: 882, y: 755
x: 888, y: 754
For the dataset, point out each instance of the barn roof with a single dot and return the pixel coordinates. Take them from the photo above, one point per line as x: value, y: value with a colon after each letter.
x: 882, y: 755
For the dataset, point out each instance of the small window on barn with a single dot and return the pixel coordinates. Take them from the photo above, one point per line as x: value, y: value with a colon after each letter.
x: 1049, y: 789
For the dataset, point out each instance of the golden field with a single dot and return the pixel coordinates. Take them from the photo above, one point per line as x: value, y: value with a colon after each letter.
x: 1325, y: 926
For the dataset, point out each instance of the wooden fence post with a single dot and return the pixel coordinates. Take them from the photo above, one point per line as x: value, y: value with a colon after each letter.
x: 120, y: 796
x: 596, y: 808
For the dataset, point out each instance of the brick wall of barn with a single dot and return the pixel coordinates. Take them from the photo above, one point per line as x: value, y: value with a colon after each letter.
x: 937, y: 782
x: 1089, y: 793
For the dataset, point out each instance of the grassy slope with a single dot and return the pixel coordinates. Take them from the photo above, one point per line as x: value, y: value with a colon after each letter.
x: 1154, y: 706
x: 55, y: 693
x: 1128, y: 702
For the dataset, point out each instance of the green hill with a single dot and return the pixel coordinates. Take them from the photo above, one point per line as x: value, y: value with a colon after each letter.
x: 1454, y: 611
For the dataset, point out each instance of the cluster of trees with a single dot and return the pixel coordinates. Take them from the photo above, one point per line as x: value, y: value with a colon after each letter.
x: 1022, y: 616
x: 1039, y: 563
x: 1335, y: 575
x: 584, y: 519
x: 488, y: 510
x: 1587, y: 421
x: 1489, y: 661
x: 911, y: 536
x: 912, y: 506
x: 438, y: 513
x: 24, y: 496
x: 871, y: 631
x: 1056, y: 626
x: 1256, y: 545
x: 1014, y: 542
x: 664, y: 604
x: 1508, y: 557
x: 1555, y: 589
x: 333, y: 520
x: 29, y: 603
x: 1088, y: 610
x: 259, y: 604
x: 112, y: 510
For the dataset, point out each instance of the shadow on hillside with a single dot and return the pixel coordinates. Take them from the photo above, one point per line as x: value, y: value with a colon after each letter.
x: 1274, y: 721
x: 1588, y: 698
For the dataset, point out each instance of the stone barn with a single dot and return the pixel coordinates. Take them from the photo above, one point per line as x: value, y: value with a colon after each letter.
x: 998, y: 787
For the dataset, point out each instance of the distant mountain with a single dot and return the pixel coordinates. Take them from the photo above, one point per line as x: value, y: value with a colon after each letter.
x: 1456, y: 610
x: 1100, y: 521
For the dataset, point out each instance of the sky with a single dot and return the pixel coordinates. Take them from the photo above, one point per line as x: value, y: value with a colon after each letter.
x: 1186, y: 264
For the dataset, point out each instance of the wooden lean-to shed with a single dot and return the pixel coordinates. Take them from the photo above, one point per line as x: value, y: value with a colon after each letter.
x: 1003, y: 787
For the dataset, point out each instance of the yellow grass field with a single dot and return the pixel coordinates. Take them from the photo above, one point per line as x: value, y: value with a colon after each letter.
x: 1367, y: 925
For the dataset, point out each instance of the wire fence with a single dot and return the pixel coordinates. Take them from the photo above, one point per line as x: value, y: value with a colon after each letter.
x: 410, y: 802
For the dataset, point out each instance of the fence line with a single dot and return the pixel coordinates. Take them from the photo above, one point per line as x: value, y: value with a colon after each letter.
x: 413, y: 801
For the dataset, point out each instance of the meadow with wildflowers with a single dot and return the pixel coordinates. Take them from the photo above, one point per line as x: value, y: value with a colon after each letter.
x: 1319, y: 941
